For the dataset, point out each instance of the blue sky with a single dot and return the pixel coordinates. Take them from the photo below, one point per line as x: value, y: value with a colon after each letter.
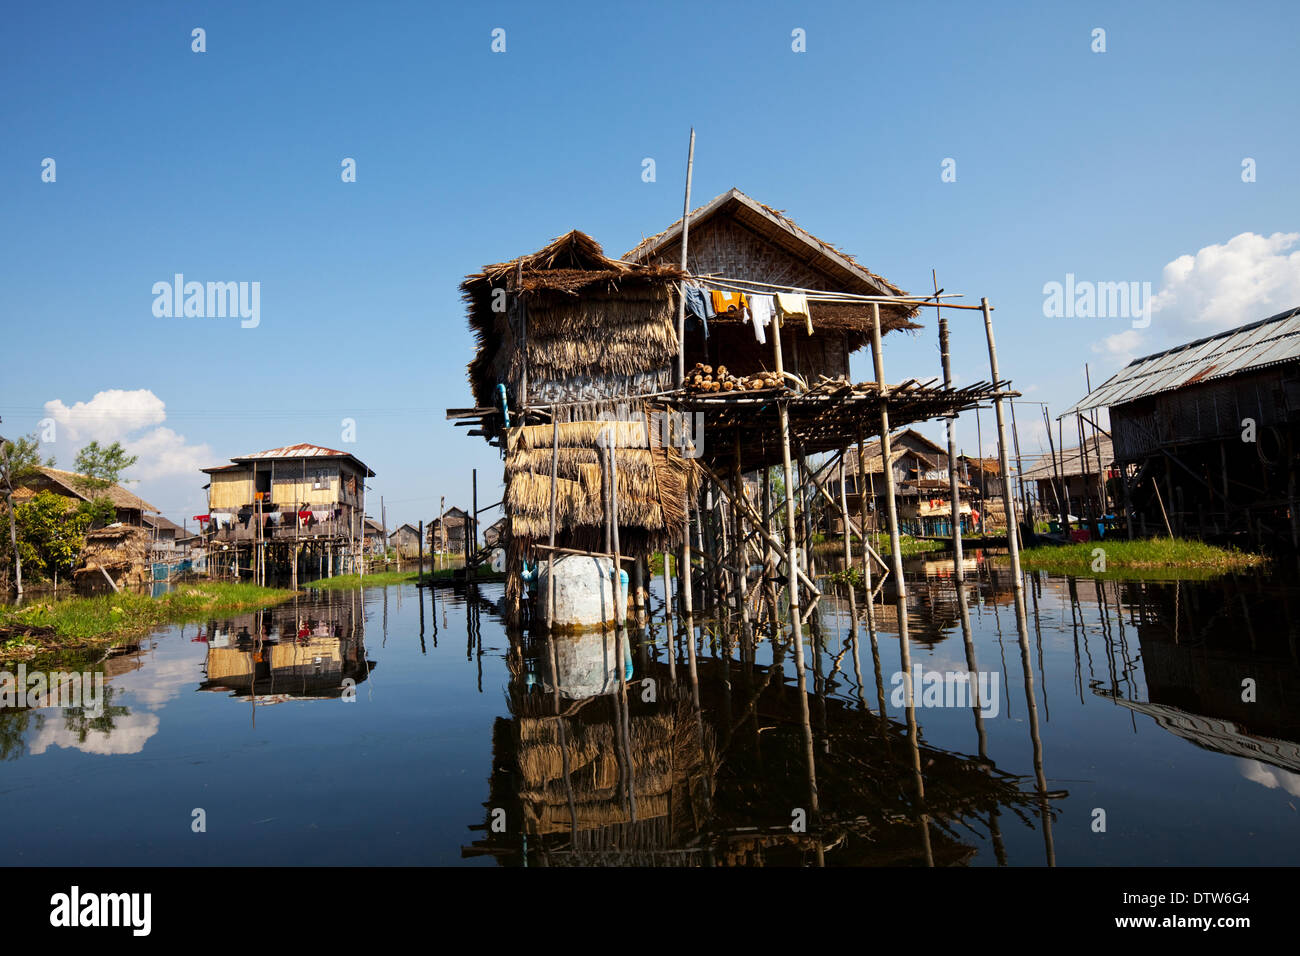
x: 225, y: 166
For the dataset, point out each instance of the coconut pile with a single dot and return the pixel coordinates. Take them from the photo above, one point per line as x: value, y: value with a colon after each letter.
x: 705, y: 378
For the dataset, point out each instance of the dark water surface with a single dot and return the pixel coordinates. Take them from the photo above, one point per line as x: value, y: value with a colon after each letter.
x: 376, y: 728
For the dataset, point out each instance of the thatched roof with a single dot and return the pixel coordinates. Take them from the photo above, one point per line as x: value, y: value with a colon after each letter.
x: 837, y: 271
x: 874, y: 458
x: 586, y: 313
x: 119, y: 551
x: 69, y: 484
x: 651, y: 483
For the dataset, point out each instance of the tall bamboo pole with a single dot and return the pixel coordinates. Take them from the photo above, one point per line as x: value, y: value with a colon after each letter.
x: 954, y: 488
x: 681, y: 298
x: 792, y: 576
x: 896, y: 547
x: 1013, y: 539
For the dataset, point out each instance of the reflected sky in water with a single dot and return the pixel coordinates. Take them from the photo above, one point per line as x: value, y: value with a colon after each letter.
x: 398, y: 727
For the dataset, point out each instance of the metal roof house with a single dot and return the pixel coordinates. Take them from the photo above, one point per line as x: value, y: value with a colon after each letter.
x: 268, y: 510
x: 1215, y: 422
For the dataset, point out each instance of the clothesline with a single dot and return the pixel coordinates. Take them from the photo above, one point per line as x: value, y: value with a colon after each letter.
x: 821, y: 295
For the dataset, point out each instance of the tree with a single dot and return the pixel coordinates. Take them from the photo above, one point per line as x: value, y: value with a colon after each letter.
x: 20, y: 461
x: 100, y: 467
x: 52, y: 533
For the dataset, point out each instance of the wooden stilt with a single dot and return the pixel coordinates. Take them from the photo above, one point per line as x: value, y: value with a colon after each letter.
x: 896, y: 547
x: 1013, y: 540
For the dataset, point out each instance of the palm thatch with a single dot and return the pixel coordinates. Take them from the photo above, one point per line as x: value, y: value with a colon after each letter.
x: 119, y: 552
x: 651, y: 482
x: 596, y: 328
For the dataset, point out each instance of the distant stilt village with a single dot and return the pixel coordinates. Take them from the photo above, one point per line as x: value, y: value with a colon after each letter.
x: 692, y: 401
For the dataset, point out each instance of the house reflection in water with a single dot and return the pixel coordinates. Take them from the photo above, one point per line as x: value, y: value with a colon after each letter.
x: 1221, y: 665
x: 310, y: 649
x: 664, y: 770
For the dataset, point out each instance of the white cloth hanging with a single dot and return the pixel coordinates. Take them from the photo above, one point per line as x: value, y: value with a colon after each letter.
x: 760, y: 315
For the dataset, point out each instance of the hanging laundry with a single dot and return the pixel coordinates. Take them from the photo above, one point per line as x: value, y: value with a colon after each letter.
x: 727, y: 303
x: 760, y: 315
x: 320, y: 515
x: 203, y: 519
x: 795, y: 305
x: 698, y: 305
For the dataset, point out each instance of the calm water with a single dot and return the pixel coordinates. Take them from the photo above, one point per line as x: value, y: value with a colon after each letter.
x: 378, y: 728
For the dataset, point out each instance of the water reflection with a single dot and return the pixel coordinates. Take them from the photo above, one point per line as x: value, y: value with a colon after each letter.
x: 1174, y: 705
x: 296, y: 651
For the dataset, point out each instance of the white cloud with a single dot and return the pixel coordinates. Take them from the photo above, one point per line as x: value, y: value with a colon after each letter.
x: 1249, y: 277
x: 1121, y: 348
x: 127, y: 416
x: 162, y: 452
x: 107, y: 417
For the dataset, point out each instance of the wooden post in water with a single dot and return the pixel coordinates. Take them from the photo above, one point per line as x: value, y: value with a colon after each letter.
x: 896, y: 547
x: 681, y: 298
x: 1013, y: 539
x: 792, y: 582
x: 954, y: 487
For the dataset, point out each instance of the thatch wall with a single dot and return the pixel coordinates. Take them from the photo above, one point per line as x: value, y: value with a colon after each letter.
x: 651, y: 482
x: 596, y: 329
x: 121, y: 551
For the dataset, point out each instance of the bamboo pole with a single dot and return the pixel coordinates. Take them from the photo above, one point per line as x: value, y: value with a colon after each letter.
x: 1013, y: 538
x: 954, y: 487
x: 896, y: 546
x: 681, y: 298
x: 792, y: 571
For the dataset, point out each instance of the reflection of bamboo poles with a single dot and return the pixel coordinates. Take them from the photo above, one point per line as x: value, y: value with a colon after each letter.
x: 1045, y: 813
x: 900, y: 584
x: 792, y: 587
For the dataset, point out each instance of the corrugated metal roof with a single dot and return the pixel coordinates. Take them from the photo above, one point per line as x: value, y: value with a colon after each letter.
x: 301, y: 450
x: 1259, y: 344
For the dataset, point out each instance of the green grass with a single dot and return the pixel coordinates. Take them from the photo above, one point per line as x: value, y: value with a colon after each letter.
x: 106, y: 618
x: 1153, y: 558
x: 345, y: 582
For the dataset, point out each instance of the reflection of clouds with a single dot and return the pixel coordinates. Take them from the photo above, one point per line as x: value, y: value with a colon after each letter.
x: 128, y: 736
x: 1270, y: 777
x: 158, y: 681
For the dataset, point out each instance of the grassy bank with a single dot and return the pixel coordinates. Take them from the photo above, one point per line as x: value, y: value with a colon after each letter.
x: 344, y: 582
x: 1156, y: 557
x: 104, y: 619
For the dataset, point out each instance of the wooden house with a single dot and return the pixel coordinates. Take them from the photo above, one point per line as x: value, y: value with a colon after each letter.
x: 493, y: 533
x: 455, y: 523
x: 1075, y: 479
x: 739, y: 238
x: 1214, y: 425
x: 578, y: 352
x: 287, y: 499
x: 921, y: 484
x: 373, y: 536
x: 128, y: 508
x: 405, y: 540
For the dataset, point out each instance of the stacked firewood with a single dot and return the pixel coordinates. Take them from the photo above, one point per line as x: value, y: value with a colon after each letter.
x: 705, y: 378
